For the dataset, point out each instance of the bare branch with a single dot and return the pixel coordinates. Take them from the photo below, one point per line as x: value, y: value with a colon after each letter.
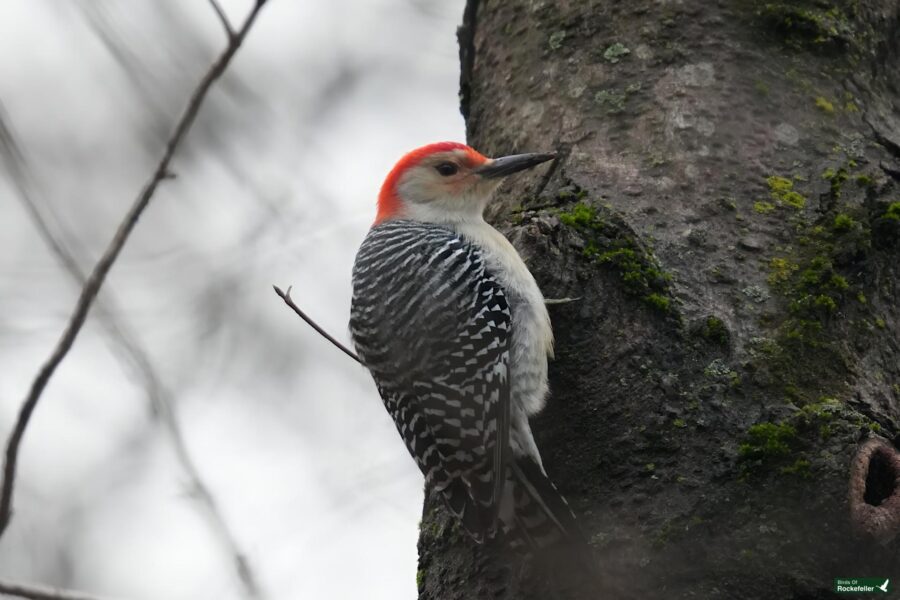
x: 132, y: 353
x: 103, y: 266
x: 286, y: 296
x: 40, y: 592
x: 229, y: 30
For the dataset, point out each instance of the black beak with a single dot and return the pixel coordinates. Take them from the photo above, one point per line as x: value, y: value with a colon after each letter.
x: 506, y: 165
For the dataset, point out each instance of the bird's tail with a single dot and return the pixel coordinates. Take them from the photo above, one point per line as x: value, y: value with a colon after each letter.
x: 543, y: 525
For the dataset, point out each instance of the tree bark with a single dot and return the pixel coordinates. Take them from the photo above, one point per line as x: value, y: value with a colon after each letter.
x: 725, y: 402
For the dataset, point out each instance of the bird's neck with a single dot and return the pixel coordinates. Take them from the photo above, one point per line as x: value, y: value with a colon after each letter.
x: 450, y: 212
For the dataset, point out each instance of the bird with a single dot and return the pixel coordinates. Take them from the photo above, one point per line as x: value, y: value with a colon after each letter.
x: 455, y: 332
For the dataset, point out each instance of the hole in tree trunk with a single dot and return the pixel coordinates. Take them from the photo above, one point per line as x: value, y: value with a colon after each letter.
x: 874, y: 492
x: 881, y: 479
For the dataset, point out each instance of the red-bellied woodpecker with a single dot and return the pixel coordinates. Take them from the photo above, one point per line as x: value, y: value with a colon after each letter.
x: 455, y: 332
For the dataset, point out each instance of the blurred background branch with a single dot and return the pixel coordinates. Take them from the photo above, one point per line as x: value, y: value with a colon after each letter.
x: 40, y: 592
x: 91, y: 286
x: 226, y: 24
x: 276, y: 182
x: 131, y: 351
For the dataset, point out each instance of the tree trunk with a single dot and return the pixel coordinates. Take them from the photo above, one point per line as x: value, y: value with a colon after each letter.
x: 725, y: 399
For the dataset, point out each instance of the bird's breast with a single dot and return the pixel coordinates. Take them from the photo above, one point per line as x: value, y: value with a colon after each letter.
x: 506, y: 264
x: 532, y: 335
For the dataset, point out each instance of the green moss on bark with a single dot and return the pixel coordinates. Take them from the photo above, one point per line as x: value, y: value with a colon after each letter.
x: 607, y: 244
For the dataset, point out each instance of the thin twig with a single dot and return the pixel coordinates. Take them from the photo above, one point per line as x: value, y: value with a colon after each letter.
x: 555, y: 301
x: 103, y: 266
x: 132, y: 353
x: 286, y: 296
x: 40, y: 592
x: 229, y: 30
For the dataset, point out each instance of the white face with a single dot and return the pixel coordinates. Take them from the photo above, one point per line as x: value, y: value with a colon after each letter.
x: 445, y: 187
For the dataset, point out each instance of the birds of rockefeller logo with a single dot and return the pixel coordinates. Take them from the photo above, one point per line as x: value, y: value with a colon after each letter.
x: 862, y: 585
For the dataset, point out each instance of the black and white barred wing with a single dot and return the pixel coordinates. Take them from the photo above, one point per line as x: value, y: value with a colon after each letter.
x: 432, y: 325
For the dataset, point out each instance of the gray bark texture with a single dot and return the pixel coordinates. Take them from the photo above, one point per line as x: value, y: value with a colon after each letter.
x: 725, y: 399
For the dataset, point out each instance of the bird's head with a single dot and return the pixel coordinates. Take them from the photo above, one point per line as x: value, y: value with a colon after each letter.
x: 446, y: 182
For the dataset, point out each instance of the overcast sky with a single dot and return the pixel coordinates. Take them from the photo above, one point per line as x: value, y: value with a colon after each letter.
x: 276, y: 185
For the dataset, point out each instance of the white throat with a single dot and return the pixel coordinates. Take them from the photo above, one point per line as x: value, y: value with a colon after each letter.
x: 443, y: 210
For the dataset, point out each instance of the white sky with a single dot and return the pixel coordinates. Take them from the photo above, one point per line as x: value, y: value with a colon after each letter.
x: 277, y: 185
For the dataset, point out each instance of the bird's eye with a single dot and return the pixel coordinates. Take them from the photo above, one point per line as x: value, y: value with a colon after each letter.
x: 447, y: 169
